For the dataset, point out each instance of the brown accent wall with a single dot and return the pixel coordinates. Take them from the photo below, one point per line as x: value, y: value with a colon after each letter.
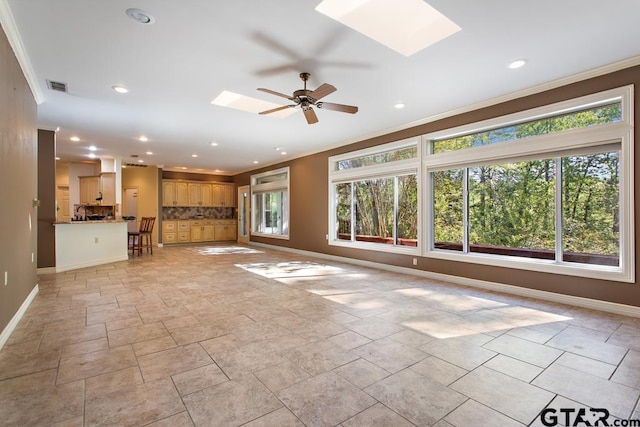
x: 47, y: 197
x: 18, y: 184
x: 309, y: 201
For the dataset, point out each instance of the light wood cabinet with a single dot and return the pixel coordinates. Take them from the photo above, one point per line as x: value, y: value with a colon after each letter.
x: 196, y: 193
x: 184, y: 231
x: 108, y: 188
x: 225, y: 230
x: 202, y: 231
x: 89, y: 190
x: 169, y: 232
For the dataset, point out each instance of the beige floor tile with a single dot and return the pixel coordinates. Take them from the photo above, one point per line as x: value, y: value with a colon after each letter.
x: 390, y: 355
x: 472, y: 413
x: 142, y: 348
x: 179, y: 420
x: 72, y: 422
x: 514, y: 368
x: 377, y: 416
x: 373, y: 328
x: 246, y: 359
x: 361, y: 373
x: 626, y: 336
x: 190, y: 334
x: 142, y: 404
x: 281, y: 375
x: 526, y: 351
x: 591, y: 366
x: 58, y: 338
x: 91, y: 364
x: 325, y: 400
x: 589, y: 390
x: 459, y: 352
x: 15, y: 364
x: 222, y: 343
x: 227, y: 405
x: 320, y: 356
x: 437, y: 369
x: 514, y: 398
x: 348, y: 340
x: 628, y: 373
x: 85, y: 347
x: 198, y: 379
x: 173, y: 361
x: 112, y: 381
x: 411, y: 338
x: 420, y: 400
x: 136, y: 334
x: 280, y: 417
x: 34, y: 400
x: 588, y: 343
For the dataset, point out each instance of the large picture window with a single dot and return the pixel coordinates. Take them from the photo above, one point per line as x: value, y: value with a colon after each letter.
x: 548, y: 189
x: 372, y: 207
x: 270, y: 196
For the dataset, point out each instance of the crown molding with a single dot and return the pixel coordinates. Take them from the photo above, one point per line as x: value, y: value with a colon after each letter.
x: 13, y: 35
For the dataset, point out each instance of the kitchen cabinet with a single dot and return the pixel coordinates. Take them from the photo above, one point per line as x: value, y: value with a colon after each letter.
x: 169, y: 232
x: 89, y: 190
x: 197, y: 194
x: 202, y: 231
x: 184, y: 231
x: 225, y: 230
x: 108, y: 188
x: 223, y: 195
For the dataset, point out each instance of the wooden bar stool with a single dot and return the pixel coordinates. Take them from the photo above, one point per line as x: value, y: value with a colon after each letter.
x: 136, y: 240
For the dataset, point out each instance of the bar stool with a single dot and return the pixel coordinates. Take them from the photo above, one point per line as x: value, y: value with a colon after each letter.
x: 142, y: 238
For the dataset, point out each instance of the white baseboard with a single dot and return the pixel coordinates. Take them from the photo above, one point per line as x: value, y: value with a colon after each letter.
x: 6, y: 333
x: 609, y: 307
x: 68, y: 267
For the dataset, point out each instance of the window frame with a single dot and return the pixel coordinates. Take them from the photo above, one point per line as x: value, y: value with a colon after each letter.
x: 384, y: 170
x: 271, y: 187
x: 551, y: 146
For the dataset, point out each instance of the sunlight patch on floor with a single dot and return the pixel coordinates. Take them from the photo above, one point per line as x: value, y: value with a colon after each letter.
x: 274, y: 270
x: 223, y: 250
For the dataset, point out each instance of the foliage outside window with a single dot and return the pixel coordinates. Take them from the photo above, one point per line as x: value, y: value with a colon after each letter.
x: 550, y: 192
x: 371, y: 208
x: 270, y: 198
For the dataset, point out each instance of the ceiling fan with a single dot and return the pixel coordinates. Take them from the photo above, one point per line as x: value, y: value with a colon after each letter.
x: 306, y: 99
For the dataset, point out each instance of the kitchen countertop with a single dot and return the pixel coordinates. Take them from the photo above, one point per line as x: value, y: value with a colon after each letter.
x: 100, y: 221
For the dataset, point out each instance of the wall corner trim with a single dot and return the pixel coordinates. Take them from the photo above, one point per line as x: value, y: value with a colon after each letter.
x: 6, y: 333
x: 593, y: 304
x: 13, y: 35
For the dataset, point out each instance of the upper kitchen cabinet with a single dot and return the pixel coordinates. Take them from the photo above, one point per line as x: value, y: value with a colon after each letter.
x: 175, y: 193
x: 223, y: 195
x: 197, y: 193
x: 108, y: 188
x: 89, y: 190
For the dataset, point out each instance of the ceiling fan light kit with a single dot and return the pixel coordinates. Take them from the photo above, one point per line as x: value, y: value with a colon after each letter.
x: 306, y: 99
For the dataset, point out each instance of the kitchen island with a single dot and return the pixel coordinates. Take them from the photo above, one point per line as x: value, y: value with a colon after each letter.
x: 81, y: 244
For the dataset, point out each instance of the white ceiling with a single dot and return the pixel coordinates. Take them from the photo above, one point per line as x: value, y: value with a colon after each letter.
x: 198, y: 48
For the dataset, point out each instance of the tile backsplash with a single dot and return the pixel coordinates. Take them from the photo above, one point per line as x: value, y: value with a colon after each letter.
x: 194, y: 212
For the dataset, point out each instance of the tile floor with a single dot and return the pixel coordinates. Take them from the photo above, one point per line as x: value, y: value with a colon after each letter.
x: 231, y: 336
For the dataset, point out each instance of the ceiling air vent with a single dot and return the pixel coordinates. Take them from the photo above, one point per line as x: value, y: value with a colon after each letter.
x: 135, y: 165
x: 59, y: 86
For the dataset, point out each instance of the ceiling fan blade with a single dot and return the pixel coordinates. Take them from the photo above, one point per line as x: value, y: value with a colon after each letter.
x: 273, y: 92
x: 273, y: 110
x: 324, y: 90
x: 337, y: 107
x: 310, y: 115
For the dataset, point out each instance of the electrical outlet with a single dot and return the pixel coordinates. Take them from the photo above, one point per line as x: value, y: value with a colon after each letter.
x: 6, y: 278
x: 326, y: 236
x: 95, y: 240
x: 415, y: 261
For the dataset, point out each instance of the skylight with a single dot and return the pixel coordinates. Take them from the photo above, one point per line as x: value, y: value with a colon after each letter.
x: 249, y: 104
x: 406, y: 26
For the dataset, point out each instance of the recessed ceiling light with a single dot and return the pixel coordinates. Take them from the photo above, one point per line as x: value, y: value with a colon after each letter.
x: 57, y: 158
x: 93, y: 148
x: 58, y: 129
x: 518, y: 64
x: 120, y: 89
x: 406, y: 26
x: 249, y: 104
x: 140, y: 161
x: 278, y: 148
x: 255, y: 162
x: 150, y: 152
x: 214, y: 144
x: 399, y: 105
x: 194, y: 155
x: 74, y: 139
x: 283, y: 152
x: 140, y: 16
x: 92, y: 156
x: 143, y: 138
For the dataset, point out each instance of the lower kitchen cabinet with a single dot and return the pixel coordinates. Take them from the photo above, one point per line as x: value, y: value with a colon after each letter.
x: 197, y: 231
